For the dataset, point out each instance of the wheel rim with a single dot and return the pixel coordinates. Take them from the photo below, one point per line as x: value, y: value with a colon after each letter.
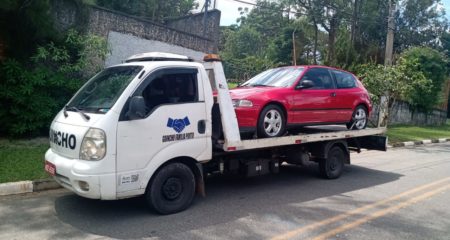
x: 172, y: 188
x: 272, y: 122
x: 334, y: 163
x: 360, y: 118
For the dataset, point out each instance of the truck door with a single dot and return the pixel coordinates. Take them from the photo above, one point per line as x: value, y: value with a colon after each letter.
x: 173, y: 125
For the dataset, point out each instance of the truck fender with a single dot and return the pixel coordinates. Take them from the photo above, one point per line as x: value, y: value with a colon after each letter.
x: 321, y: 149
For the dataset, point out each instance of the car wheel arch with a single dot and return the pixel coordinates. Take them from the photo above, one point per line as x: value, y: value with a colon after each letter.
x: 279, y: 104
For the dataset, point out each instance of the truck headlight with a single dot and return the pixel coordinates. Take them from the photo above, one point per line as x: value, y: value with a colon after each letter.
x: 242, y: 103
x: 93, y: 147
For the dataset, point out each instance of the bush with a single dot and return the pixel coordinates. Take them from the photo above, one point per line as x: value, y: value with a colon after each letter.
x: 31, y: 94
x: 433, y: 65
x: 399, y: 82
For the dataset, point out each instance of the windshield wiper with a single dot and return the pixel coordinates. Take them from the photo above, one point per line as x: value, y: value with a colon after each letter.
x: 259, y: 85
x: 74, y: 109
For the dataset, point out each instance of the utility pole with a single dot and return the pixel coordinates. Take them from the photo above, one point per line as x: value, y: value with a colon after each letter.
x: 383, y: 115
x: 294, y: 54
x: 390, y: 35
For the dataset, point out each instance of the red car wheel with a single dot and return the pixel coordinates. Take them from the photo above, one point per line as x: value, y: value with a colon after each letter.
x: 271, y: 122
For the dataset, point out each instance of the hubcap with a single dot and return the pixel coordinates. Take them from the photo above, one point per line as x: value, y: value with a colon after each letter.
x: 172, y: 188
x: 360, y: 118
x: 272, y: 122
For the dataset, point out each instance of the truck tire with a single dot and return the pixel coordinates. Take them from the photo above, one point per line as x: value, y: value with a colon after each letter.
x: 271, y: 122
x: 172, y: 189
x: 332, y: 166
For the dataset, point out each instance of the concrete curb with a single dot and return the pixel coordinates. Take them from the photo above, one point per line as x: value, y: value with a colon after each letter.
x: 27, y: 186
x: 418, y: 143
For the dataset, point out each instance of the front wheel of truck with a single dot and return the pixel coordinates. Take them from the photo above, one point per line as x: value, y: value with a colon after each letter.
x: 172, y: 189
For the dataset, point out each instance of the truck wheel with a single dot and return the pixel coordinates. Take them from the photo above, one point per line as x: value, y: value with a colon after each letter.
x: 271, y: 122
x: 172, y: 189
x: 360, y: 118
x: 332, y: 166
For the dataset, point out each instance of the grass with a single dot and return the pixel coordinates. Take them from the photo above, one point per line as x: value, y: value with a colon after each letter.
x: 403, y: 133
x: 232, y: 85
x: 22, y: 159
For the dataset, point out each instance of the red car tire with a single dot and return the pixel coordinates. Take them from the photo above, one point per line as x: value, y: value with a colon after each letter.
x: 271, y: 122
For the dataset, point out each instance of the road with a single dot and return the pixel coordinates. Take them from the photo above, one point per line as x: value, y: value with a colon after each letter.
x: 401, y: 194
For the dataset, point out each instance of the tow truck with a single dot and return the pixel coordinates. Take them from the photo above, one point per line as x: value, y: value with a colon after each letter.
x: 152, y: 126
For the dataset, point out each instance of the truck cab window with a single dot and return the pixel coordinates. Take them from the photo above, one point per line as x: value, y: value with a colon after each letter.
x: 170, y: 89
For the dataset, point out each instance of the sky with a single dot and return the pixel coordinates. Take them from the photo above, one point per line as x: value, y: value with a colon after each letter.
x: 230, y: 13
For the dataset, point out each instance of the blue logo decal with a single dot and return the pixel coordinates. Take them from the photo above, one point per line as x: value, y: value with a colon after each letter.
x: 178, y: 124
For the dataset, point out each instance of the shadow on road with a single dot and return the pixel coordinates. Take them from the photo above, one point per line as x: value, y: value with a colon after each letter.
x: 227, y: 199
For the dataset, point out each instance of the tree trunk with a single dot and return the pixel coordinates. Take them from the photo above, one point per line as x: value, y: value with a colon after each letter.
x: 334, y: 25
x: 316, y: 36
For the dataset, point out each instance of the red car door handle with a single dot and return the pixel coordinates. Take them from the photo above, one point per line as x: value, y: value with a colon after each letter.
x: 333, y: 94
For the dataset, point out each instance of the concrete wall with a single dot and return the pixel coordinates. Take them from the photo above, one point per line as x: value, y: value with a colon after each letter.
x: 195, y: 24
x: 182, y: 35
x: 402, y: 113
x: 124, y: 45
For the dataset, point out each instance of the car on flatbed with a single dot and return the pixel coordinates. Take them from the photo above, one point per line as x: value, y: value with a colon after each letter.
x: 291, y: 97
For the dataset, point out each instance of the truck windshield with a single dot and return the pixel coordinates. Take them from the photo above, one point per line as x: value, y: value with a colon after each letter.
x: 277, y: 77
x: 100, y: 93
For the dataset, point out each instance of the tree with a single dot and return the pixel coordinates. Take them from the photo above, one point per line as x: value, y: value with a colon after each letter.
x: 433, y: 65
x: 419, y: 23
x: 33, y: 92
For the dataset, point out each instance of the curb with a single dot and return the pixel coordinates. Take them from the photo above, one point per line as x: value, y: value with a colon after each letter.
x: 422, y: 142
x: 27, y: 186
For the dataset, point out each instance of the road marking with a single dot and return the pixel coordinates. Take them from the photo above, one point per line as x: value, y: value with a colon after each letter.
x: 336, y: 218
x: 381, y: 213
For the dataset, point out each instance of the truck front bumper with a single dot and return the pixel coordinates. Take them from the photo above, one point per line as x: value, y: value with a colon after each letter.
x: 71, y: 174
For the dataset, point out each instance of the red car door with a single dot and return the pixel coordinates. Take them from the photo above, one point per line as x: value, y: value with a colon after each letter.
x: 347, y: 94
x: 317, y: 103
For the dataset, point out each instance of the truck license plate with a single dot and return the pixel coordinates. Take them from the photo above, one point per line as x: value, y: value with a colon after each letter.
x: 50, y: 168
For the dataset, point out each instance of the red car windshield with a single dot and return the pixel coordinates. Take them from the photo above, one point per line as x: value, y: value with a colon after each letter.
x: 277, y: 77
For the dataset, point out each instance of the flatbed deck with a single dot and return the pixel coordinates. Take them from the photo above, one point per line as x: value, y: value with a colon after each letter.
x: 307, y: 135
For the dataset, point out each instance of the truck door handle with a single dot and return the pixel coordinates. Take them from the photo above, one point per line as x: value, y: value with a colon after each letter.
x: 333, y: 94
x: 201, y: 126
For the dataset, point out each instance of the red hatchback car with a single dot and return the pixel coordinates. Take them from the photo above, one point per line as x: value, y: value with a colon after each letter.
x: 289, y: 97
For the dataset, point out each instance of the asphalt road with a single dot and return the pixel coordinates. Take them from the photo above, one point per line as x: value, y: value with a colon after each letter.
x: 401, y: 194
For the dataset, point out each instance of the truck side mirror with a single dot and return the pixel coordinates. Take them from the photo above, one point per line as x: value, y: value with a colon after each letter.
x: 136, y: 108
x: 304, y: 84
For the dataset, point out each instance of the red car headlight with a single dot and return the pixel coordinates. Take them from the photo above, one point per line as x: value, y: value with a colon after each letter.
x: 242, y: 103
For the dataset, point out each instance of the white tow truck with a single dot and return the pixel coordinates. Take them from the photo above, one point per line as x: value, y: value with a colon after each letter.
x: 152, y: 126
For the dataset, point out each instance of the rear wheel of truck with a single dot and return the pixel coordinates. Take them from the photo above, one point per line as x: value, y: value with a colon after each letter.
x: 172, y: 189
x: 332, y: 166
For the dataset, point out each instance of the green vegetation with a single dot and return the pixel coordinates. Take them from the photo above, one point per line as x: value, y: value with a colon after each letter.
x: 348, y: 35
x: 22, y: 160
x: 402, y: 133
x: 34, y: 92
x: 232, y: 85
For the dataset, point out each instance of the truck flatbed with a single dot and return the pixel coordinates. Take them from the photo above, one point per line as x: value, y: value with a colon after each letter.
x: 308, y: 135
